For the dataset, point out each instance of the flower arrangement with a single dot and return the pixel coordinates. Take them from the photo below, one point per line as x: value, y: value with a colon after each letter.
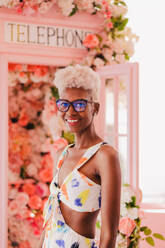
x: 131, y: 231
x: 33, y: 142
x: 114, y: 42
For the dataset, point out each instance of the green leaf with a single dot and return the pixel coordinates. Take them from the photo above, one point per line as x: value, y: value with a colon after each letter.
x: 68, y: 136
x: 126, y: 56
x: 122, y: 3
x: 114, y: 54
x: 158, y: 236
x: 99, y: 37
x: 25, y: 88
x: 147, y: 231
x: 97, y: 6
x: 105, y: 46
x: 143, y: 228
x: 54, y: 92
x: 122, y: 25
x: 126, y: 184
x: 150, y: 241
x: 98, y: 224
x: 116, y: 2
x: 22, y: 173
x: 74, y: 10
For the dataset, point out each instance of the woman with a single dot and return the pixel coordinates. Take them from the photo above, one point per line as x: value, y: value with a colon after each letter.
x: 87, y: 173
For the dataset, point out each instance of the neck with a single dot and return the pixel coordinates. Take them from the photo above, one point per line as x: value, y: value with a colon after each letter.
x: 86, y: 138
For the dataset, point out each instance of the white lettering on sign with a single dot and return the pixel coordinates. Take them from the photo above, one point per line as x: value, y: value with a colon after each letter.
x: 52, y: 36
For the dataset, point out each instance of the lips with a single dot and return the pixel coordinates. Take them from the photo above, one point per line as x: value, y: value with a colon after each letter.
x: 72, y: 121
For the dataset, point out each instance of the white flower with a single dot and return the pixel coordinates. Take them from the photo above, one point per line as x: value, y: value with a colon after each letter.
x: 120, y: 58
x: 23, y: 77
x: 126, y: 194
x: 66, y: 6
x: 121, y: 242
x: 118, y: 10
x: 44, y: 7
x: 12, y: 193
x: 132, y: 213
x: 98, y: 62
x: 4, y: 3
x: 85, y: 4
x: 31, y: 170
x: 123, y: 209
x: 129, y: 49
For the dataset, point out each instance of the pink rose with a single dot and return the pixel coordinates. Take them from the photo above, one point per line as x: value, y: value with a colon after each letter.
x: 60, y: 143
x: 46, y: 175
x: 41, y: 71
x: 35, y: 202
x: 29, y: 189
x: 91, y: 41
x: 42, y: 189
x: 22, y: 198
x: 24, y: 118
x: 13, y: 207
x: 24, y: 244
x: 126, y: 226
x: 47, y: 161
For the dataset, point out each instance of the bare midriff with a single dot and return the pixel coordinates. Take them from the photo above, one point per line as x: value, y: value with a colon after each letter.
x: 84, y: 223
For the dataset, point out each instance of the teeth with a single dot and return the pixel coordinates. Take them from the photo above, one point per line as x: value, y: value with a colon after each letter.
x: 72, y: 120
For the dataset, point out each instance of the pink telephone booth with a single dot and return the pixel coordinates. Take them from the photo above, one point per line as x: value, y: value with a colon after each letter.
x: 56, y: 41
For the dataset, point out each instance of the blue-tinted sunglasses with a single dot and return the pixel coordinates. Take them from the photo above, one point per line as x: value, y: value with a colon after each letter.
x: 79, y: 105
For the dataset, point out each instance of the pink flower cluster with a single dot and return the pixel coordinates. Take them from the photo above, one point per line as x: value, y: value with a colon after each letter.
x: 31, y: 148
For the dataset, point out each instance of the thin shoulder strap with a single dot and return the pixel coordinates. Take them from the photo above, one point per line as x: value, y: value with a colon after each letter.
x: 88, y: 154
x: 61, y: 157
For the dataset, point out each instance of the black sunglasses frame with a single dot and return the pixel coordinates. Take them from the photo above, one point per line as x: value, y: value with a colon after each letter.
x: 72, y: 103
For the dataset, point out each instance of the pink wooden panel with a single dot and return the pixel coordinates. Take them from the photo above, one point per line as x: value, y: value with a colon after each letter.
x: 131, y: 71
x: 53, y: 18
x: 156, y: 222
x: 99, y: 120
x: 3, y: 150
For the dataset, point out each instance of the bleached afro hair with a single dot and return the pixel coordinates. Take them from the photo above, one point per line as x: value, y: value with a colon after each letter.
x: 78, y: 76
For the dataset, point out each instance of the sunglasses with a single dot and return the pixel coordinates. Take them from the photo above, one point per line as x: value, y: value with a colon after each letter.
x: 79, y: 105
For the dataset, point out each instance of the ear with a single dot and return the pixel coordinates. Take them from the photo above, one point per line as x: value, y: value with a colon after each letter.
x: 96, y: 107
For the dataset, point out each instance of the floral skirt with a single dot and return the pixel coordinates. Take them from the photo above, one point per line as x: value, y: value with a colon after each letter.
x: 59, y: 235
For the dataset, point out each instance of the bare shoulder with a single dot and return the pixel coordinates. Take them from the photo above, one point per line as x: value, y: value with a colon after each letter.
x: 107, y: 158
x: 107, y: 151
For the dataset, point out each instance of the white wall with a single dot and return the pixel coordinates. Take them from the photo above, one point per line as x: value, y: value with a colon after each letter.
x: 147, y: 19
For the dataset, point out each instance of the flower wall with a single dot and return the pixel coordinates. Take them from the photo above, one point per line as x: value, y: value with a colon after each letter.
x: 35, y: 133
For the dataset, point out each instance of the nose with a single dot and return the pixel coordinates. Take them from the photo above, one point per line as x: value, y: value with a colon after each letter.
x: 71, y: 110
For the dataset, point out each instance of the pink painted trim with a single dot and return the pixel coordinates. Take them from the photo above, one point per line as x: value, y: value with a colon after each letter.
x: 131, y: 70
x: 82, y: 20
x: 3, y: 151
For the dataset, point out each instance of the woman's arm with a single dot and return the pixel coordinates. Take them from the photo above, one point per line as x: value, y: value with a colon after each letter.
x: 110, y: 173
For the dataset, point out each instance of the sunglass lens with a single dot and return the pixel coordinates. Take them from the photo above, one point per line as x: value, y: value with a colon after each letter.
x: 79, y: 105
x: 62, y: 105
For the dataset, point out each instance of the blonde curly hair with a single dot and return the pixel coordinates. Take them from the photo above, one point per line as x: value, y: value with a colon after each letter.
x: 78, y: 76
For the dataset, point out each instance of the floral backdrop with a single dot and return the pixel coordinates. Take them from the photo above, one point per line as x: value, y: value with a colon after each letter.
x: 35, y: 133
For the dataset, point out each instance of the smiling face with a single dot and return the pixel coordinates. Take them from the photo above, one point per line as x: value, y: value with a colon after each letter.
x: 78, y: 121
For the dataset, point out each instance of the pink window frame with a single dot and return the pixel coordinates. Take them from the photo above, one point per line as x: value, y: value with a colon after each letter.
x: 131, y: 71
